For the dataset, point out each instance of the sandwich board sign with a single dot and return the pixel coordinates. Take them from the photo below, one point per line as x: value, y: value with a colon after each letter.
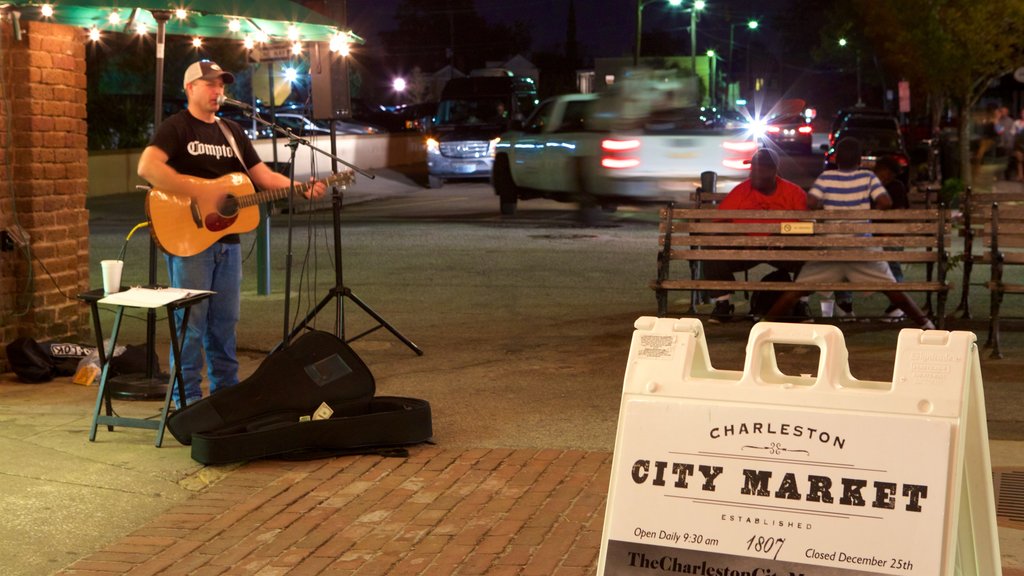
x: 758, y: 472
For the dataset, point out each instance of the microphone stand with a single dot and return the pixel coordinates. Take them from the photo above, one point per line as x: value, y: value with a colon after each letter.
x: 339, y: 290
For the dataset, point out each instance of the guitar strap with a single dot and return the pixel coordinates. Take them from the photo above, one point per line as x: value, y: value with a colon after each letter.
x: 234, y: 147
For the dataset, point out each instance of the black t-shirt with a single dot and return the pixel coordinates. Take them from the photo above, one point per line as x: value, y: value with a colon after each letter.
x: 196, y: 148
x: 898, y: 192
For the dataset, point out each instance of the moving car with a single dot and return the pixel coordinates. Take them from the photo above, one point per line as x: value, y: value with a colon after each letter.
x: 791, y: 132
x: 647, y: 142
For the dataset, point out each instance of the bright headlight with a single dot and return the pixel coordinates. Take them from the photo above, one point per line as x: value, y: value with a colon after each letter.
x: 757, y: 127
x: 493, y: 146
x: 433, y: 146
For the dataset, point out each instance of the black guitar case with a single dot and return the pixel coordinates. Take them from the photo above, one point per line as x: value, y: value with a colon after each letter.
x: 260, y: 417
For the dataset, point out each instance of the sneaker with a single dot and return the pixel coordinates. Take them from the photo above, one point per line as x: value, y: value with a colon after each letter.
x: 894, y: 314
x: 802, y: 313
x: 844, y: 311
x: 927, y: 325
x: 722, y: 312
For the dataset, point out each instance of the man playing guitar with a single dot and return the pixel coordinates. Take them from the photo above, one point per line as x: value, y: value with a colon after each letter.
x: 192, y: 144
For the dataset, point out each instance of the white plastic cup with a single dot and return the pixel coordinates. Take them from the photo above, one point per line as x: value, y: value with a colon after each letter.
x: 827, y: 308
x: 112, y: 275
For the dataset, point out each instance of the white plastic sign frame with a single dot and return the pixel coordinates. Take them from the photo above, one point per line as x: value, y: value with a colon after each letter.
x: 759, y: 472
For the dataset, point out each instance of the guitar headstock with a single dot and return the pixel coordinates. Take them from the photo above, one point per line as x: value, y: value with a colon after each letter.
x: 340, y: 178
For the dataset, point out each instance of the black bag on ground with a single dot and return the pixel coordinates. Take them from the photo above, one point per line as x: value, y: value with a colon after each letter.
x: 131, y: 361
x: 29, y: 360
x: 266, y: 415
x: 761, y: 301
x: 64, y: 357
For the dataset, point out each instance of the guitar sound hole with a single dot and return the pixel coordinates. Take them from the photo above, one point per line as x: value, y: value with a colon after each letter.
x: 228, y: 206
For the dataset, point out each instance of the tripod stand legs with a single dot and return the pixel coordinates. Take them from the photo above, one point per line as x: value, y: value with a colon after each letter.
x: 345, y: 292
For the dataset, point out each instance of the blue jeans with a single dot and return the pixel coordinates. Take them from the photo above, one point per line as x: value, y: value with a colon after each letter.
x: 211, y: 322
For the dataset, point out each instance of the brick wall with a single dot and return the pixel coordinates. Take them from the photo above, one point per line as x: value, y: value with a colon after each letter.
x: 43, y: 182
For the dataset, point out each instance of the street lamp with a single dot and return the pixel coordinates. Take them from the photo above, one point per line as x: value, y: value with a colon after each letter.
x: 698, y: 5
x: 640, y: 4
x: 713, y: 82
x: 856, y: 51
x: 751, y: 25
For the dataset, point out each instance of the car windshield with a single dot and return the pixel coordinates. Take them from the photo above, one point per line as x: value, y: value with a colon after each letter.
x: 789, y: 119
x: 680, y: 119
x: 876, y: 141
x: 882, y: 122
x: 465, y: 112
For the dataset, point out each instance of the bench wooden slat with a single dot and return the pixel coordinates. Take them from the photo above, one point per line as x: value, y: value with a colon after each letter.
x: 1008, y: 288
x: 931, y: 214
x: 1005, y: 242
x: 804, y: 241
x: 769, y: 255
x: 820, y: 228
x: 802, y: 286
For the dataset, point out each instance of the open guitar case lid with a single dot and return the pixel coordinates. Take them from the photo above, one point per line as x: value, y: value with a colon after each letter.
x: 260, y: 416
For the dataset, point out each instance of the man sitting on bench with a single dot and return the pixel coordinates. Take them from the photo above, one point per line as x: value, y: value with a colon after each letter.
x: 764, y: 190
x: 849, y: 188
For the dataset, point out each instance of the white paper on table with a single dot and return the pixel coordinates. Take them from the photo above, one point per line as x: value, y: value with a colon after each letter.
x: 150, y: 297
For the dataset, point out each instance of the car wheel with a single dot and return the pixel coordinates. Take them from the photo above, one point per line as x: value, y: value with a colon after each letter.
x: 504, y: 186
x: 435, y: 181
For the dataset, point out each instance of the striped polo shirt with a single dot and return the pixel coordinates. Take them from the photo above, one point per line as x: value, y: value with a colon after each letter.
x: 847, y: 189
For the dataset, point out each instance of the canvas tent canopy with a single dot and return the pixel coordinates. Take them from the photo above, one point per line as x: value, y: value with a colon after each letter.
x: 205, y: 18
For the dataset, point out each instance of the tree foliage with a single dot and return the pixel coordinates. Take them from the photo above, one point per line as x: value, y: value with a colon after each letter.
x: 952, y: 49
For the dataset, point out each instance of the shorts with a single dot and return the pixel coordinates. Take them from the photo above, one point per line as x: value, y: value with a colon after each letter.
x: 874, y: 271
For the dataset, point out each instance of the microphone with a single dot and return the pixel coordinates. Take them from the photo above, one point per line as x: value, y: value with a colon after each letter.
x: 222, y: 100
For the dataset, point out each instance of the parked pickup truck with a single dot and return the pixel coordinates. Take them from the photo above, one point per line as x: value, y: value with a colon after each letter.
x: 639, y: 144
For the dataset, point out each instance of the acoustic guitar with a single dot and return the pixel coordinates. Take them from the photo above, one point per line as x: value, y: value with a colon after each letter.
x: 187, y: 221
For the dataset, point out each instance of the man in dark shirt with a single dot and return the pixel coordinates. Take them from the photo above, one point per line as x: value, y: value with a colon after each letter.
x: 191, y: 143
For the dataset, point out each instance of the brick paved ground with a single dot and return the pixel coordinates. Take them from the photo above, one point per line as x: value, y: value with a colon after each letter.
x: 439, y: 512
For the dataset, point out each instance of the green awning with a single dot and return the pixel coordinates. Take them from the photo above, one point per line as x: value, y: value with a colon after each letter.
x: 205, y: 18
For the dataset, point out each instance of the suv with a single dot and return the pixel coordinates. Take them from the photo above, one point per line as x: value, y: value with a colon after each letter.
x: 877, y: 139
x: 871, y: 118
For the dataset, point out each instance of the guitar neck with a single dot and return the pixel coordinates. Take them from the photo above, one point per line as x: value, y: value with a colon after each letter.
x: 271, y: 195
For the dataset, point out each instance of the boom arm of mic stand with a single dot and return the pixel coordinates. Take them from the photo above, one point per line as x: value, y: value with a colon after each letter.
x: 293, y: 138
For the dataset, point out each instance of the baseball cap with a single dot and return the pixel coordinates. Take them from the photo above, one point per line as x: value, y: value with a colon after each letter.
x: 206, y: 70
x: 764, y: 157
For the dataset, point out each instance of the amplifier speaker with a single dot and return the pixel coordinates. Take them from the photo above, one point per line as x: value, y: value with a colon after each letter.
x: 330, y: 84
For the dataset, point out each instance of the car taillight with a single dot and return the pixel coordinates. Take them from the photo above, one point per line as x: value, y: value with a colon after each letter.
x: 613, y: 163
x: 903, y: 160
x: 612, y: 145
x: 804, y: 129
x: 744, y: 146
x: 736, y: 164
x: 616, y: 157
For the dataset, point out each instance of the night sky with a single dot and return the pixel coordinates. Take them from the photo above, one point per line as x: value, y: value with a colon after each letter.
x: 604, y: 27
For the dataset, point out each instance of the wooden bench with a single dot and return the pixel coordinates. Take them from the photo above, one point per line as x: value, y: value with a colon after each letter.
x: 1002, y: 237
x: 699, y: 234
x: 974, y: 220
